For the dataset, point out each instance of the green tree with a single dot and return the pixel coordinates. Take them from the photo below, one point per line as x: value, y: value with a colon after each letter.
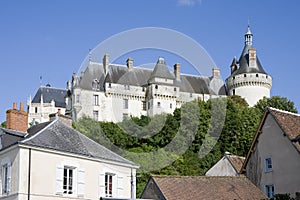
x: 278, y: 102
x: 3, y: 124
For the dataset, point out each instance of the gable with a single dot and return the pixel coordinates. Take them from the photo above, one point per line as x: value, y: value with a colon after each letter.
x: 222, y: 168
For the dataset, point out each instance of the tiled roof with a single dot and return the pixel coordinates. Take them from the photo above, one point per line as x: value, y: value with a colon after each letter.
x: 58, y: 136
x: 49, y: 94
x: 205, y: 187
x: 139, y: 76
x: 289, y: 123
x: 236, y: 161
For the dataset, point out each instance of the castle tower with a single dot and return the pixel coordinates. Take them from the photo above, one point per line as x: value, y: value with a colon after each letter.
x: 248, y: 79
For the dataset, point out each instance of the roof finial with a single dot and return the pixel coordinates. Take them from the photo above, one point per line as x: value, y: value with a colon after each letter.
x: 90, y: 55
x: 248, y: 35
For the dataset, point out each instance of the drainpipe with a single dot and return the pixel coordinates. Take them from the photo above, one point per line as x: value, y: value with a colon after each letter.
x: 132, y: 186
x: 29, y: 174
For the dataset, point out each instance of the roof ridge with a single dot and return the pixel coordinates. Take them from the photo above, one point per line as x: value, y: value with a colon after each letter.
x: 39, y: 132
x: 283, y: 111
x: 44, y: 86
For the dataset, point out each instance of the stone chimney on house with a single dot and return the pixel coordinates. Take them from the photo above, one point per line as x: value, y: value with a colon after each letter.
x: 252, y: 57
x: 63, y: 118
x: 106, y: 63
x: 129, y: 63
x: 216, y: 72
x: 17, y: 119
x: 177, y: 71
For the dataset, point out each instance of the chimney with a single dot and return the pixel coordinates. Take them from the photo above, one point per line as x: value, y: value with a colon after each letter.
x: 67, y: 120
x: 106, y: 63
x: 252, y: 57
x: 129, y: 63
x: 177, y: 71
x: 17, y: 119
x: 216, y: 72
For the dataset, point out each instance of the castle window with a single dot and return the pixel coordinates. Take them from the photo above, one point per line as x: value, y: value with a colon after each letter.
x: 35, y: 109
x: 191, y: 95
x: 174, y: 89
x: 158, y: 104
x: 267, y: 76
x: 96, y: 100
x: 171, y: 105
x: 144, y: 105
x: 125, y: 115
x: 233, y: 92
x: 149, y: 105
x: 125, y: 104
x: 156, y: 86
x: 256, y: 75
x: 77, y: 98
x: 143, y: 89
x: 109, y: 85
x: 126, y: 87
x: 95, y: 115
x: 233, y: 77
x: 245, y: 75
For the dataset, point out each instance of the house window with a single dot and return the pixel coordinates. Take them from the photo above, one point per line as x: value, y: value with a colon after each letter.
x: 158, y: 104
x: 144, y: 105
x: 95, y: 114
x: 5, y: 178
x: 77, y: 98
x: 96, y: 100
x: 268, y: 165
x: 68, y: 180
x: 269, y: 191
x: 125, y: 103
x: 108, y: 185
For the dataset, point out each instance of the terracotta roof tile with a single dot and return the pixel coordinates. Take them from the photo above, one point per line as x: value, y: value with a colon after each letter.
x: 205, y: 187
x: 236, y: 161
x: 289, y: 122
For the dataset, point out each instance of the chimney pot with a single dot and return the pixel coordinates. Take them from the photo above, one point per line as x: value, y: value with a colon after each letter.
x: 21, y: 106
x: 216, y: 72
x: 15, y: 106
x: 129, y: 63
x: 106, y: 62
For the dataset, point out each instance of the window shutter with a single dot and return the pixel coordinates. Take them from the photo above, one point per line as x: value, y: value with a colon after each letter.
x: 80, y: 182
x: 101, y: 185
x: 120, y: 186
x: 59, y: 179
x: 8, y: 177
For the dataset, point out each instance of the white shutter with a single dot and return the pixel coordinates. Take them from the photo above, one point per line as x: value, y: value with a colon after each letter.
x: 120, y: 186
x: 8, y: 177
x: 101, y: 185
x: 80, y: 182
x: 59, y: 179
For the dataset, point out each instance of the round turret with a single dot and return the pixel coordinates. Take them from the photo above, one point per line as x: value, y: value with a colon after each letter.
x: 248, y: 79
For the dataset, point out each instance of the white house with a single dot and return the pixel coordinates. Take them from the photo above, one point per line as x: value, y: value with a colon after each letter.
x: 53, y: 161
x: 228, y: 165
x: 273, y: 161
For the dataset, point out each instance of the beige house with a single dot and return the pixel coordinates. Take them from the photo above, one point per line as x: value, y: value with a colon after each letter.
x: 201, y: 187
x: 52, y: 161
x: 273, y: 161
x: 228, y: 165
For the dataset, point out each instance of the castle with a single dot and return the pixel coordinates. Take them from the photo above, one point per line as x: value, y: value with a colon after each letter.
x: 112, y: 92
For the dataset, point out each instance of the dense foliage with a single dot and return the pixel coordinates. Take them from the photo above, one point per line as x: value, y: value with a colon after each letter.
x: 188, y: 142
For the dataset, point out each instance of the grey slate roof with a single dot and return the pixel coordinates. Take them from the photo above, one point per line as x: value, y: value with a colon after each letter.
x: 141, y: 77
x: 49, y: 94
x: 10, y: 137
x: 58, y: 136
x: 243, y: 63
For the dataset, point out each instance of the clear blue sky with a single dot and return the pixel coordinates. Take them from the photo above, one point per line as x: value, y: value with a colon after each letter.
x: 52, y: 38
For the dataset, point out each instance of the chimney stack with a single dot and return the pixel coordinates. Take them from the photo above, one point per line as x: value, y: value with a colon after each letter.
x: 216, y: 72
x: 63, y: 118
x: 252, y: 57
x: 106, y: 63
x: 177, y: 71
x: 17, y: 119
x: 129, y: 63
